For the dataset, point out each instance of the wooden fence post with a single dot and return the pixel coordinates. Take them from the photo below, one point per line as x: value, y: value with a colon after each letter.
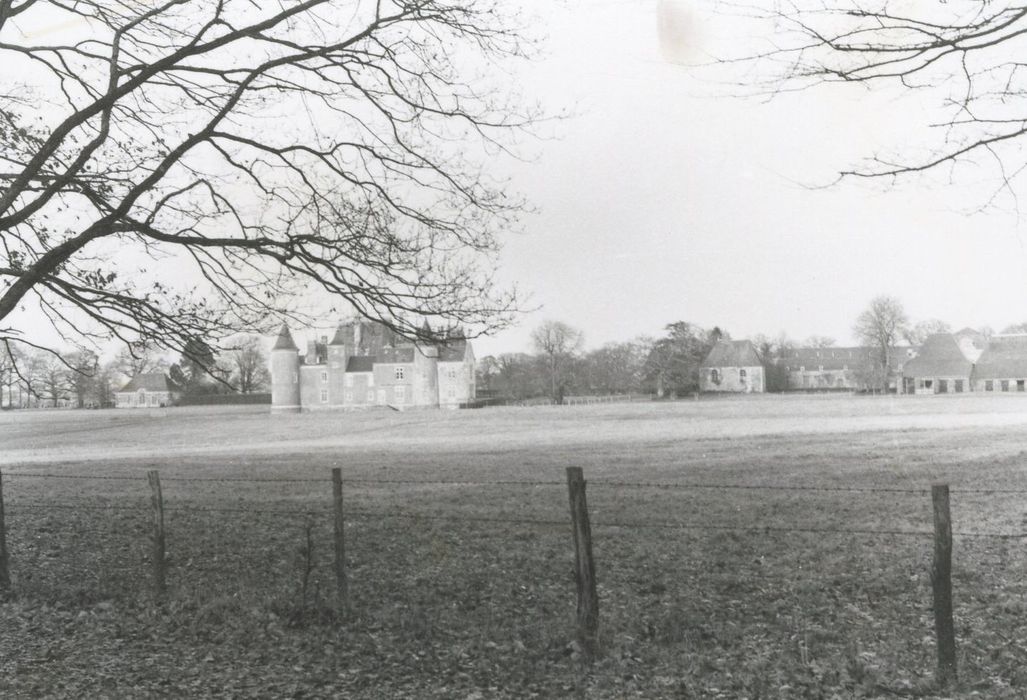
x: 160, y: 585
x: 341, y: 585
x: 5, y: 574
x: 941, y: 581
x: 584, y: 569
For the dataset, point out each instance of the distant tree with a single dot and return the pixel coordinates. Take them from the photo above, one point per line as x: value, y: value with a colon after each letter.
x: 673, y: 362
x: 617, y: 368
x: 880, y: 327
x: 557, y: 343
x: 248, y: 364
x: 771, y: 352
x: 140, y: 358
x: 197, y: 370
x: 6, y: 377
x: 1016, y: 328
x: 918, y: 334
x: 53, y: 383
x: 487, y: 370
x: 517, y: 377
x: 104, y: 384
x: 818, y: 341
x: 83, y: 368
x: 986, y: 331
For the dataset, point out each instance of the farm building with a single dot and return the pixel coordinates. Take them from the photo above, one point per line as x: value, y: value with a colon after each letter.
x: 149, y: 390
x: 367, y: 364
x: 1003, y: 364
x: 940, y: 367
x: 824, y: 368
x: 733, y: 366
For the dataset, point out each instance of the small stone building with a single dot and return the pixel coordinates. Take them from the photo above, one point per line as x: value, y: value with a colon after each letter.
x: 1002, y: 367
x: 733, y: 366
x: 149, y: 390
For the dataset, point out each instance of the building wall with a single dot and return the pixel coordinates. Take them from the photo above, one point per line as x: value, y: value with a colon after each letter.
x: 815, y: 378
x: 456, y: 383
x: 731, y: 380
x: 143, y: 399
x: 326, y: 384
x: 1011, y: 385
x: 934, y: 385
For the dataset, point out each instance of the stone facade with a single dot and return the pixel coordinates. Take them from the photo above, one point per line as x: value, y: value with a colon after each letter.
x: 367, y: 365
x: 733, y: 366
x: 152, y: 390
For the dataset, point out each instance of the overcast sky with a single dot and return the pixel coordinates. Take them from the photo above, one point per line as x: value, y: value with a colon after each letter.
x: 666, y: 199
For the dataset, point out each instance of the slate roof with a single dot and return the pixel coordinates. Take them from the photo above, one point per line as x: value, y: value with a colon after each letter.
x: 150, y: 381
x: 284, y: 340
x: 453, y: 351
x: 939, y: 356
x: 360, y: 363
x: 1004, y: 358
x: 732, y: 353
x: 832, y: 359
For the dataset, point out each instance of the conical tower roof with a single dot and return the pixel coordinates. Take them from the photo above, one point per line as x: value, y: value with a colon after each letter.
x: 340, y: 336
x: 284, y: 341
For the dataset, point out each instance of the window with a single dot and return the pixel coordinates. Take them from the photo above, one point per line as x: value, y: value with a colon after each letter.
x: 324, y: 396
x: 802, y: 368
x: 349, y: 396
x: 1019, y: 385
x: 401, y: 394
x: 1005, y: 385
x: 820, y: 368
x: 741, y: 374
x: 451, y: 372
x: 452, y: 392
x: 959, y: 386
x: 400, y: 372
x: 943, y: 386
x: 715, y: 376
x: 141, y: 398
x: 153, y: 399
x: 324, y: 377
x: 928, y: 384
x: 989, y: 385
x: 370, y: 396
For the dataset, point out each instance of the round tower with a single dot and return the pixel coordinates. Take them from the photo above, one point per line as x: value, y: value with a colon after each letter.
x: 285, y: 374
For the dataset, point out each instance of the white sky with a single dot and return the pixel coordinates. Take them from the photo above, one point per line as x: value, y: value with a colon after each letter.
x: 663, y: 200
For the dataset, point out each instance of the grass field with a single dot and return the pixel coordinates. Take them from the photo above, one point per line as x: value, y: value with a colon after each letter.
x: 465, y: 590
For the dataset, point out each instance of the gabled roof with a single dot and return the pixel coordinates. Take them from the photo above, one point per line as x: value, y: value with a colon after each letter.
x: 284, y: 340
x: 732, y: 353
x: 830, y: 358
x: 453, y: 351
x: 939, y: 356
x: 1004, y: 358
x: 395, y: 355
x: 151, y: 381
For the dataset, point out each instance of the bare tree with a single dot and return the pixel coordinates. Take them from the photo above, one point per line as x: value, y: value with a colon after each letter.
x: 140, y: 358
x: 248, y: 363
x: 557, y: 343
x: 962, y: 56
x: 880, y: 327
x: 82, y: 369
x: 919, y: 332
x: 818, y: 341
x: 266, y: 150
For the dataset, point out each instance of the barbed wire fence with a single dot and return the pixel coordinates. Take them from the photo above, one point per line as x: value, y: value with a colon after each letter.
x: 149, y: 517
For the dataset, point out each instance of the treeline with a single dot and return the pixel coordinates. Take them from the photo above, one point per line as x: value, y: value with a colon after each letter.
x: 667, y: 366
x: 36, y: 378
